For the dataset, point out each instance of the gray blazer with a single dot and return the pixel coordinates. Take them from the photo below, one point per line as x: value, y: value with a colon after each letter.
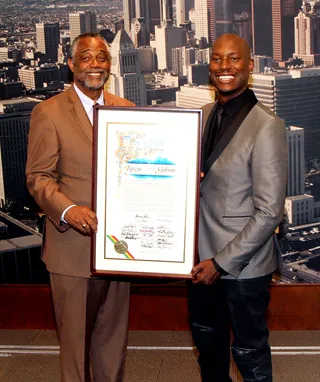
x: 242, y: 196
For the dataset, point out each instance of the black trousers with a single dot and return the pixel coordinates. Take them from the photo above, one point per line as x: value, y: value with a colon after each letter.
x: 243, y: 304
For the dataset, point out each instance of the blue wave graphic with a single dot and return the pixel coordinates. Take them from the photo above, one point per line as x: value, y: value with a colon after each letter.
x: 158, y: 160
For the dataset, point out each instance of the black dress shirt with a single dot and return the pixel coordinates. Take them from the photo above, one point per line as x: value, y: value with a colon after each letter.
x: 228, y: 111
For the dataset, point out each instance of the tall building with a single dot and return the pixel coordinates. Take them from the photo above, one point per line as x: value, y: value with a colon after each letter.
x: 138, y: 33
x: 48, y: 38
x: 82, y: 22
x: 126, y: 80
x: 296, y: 177
x: 283, y: 14
x: 262, y: 64
x: 307, y: 34
x: 168, y: 37
x: 182, y: 10
x: 154, y: 15
x: 242, y: 26
x: 198, y: 74
x: 223, y: 17
x: 166, y: 12
x: 35, y: 77
x: 213, y: 18
x: 295, y: 97
x: 261, y: 27
x: 14, y: 128
x: 153, y: 11
x: 299, y: 209
x: 204, y: 23
x: 129, y: 13
x: 181, y: 58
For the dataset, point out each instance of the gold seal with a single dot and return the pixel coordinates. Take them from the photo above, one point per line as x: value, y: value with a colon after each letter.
x: 121, y: 247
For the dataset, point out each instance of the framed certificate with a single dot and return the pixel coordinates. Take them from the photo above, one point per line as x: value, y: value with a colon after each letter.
x: 145, y: 191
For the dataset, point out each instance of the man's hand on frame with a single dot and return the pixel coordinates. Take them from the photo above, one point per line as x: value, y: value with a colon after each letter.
x: 82, y: 218
x: 205, y: 273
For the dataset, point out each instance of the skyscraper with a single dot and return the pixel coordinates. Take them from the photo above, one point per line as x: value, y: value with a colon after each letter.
x: 204, y: 10
x: 307, y: 34
x: 295, y: 97
x: 223, y: 17
x: 296, y: 177
x: 182, y: 10
x: 283, y: 14
x: 82, y: 22
x: 213, y: 18
x: 138, y: 33
x: 261, y: 27
x: 168, y: 37
x: 129, y: 13
x: 48, y: 38
x: 14, y: 128
x: 126, y: 80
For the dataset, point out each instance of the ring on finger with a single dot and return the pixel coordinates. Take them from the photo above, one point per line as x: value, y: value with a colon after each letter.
x: 84, y: 226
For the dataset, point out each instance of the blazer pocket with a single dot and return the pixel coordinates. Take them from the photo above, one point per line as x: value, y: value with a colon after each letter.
x: 236, y: 220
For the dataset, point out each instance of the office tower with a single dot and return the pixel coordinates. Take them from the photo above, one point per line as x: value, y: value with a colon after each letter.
x: 283, y: 14
x: 213, y: 18
x: 147, y: 59
x: 204, y: 22
x: 48, y: 38
x: 126, y: 80
x: 14, y: 128
x: 299, y: 209
x: 296, y: 177
x: 107, y: 34
x: 295, y: 97
x: 8, y: 53
x: 167, y: 37
x: 177, y: 61
x: 262, y: 64
x: 9, y: 89
x: 154, y: 15
x: 182, y: 10
x: 166, y: 12
x: 191, y: 96
x: 129, y: 12
x: 307, y: 34
x: 242, y: 27
x: 82, y: 22
x: 261, y: 27
x: 35, y: 77
x: 223, y: 17
x: 198, y: 74
x: 138, y: 33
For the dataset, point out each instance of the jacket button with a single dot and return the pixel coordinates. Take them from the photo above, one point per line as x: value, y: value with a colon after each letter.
x: 201, y: 194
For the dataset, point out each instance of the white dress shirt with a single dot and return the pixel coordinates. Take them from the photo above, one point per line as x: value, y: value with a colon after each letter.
x: 87, y: 104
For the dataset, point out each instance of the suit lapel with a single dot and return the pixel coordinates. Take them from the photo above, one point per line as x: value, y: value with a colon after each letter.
x: 79, y: 113
x: 107, y: 99
x: 226, y: 138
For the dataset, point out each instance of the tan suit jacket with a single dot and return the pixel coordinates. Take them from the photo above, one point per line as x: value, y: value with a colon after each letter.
x: 242, y: 195
x: 59, y: 173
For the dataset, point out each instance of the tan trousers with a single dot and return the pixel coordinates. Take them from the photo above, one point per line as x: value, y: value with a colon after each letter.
x: 92, y: 320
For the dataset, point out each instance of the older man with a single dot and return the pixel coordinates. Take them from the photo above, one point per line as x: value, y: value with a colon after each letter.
x: 91, y: 313
x: 243, y: 189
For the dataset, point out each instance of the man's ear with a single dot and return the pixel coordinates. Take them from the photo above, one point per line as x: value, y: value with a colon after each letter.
x: 251, y: 65
x: 70, y: 64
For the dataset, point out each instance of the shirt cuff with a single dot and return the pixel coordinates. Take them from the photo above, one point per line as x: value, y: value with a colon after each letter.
x: 64, y: 212
x: 218, y: 268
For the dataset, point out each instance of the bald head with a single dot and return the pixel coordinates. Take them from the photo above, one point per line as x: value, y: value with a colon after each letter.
x: 234, y: 39
x: 230, y: 66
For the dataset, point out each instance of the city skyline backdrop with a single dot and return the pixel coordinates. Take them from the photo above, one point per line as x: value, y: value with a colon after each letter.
x: 160, y: 57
